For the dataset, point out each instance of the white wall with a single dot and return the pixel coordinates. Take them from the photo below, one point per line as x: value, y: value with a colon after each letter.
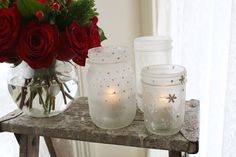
x: 120, y: 19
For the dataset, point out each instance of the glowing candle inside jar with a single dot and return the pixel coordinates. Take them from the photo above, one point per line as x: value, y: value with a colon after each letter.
x: 163, y: 109
x: 112, y: 98
x: 163, y: 101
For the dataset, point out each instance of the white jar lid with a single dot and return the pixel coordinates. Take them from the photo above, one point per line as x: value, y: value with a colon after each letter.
x: 153, y: 43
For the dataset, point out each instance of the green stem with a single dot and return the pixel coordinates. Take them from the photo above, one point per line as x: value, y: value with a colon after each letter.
x: 62, y: 89
x: 50, y: 104
x: 18, y: 97
x: 67, y: 88
x: 41, y: 99
x: 53, y: 102
x: 69, y: 96
x: 47, y: 102
x: 24, y: 93
x: 32, y: 96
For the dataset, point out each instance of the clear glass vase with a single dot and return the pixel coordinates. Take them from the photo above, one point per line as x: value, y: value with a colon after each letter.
x: 164, y: 98
x: 43, y: 92
x: 111, y: 87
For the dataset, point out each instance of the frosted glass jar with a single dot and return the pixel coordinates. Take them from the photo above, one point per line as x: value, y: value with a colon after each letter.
x: 164, y: 98
x: 111, y: 87
x: 150, y: 50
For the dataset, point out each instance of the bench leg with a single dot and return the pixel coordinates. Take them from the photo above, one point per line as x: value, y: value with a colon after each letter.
x: 29, y: 145
x: 17, y: 136
x: 174, y: 154
x: 186, y: 155
x: 49, y: 144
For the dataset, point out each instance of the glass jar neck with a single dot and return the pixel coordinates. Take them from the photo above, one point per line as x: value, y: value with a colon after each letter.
x: 164, y: 75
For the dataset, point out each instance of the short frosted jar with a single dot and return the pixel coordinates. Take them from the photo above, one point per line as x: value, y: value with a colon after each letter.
x: 150, y: 50
x: 164, y: 98
x: 111, y: 87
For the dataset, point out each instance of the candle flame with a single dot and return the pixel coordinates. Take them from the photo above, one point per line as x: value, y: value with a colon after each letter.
x: 111, y: 91
x: 163, y: 100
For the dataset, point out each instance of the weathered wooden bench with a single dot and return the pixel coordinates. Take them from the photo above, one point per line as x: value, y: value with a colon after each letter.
x: 75, y: 124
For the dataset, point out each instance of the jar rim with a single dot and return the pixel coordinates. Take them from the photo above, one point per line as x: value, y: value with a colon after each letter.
x: 163, y: 71
x: 108, y: 54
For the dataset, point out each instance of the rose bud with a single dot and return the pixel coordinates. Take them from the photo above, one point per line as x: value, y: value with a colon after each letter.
x: 39, y: 14
x: 56, y: 6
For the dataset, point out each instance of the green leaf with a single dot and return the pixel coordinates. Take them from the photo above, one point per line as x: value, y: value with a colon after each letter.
x: 81, y: 11
x: 28, y: 8
x: 102, y: 34
x: 22, y: 8
x: 4, y: 4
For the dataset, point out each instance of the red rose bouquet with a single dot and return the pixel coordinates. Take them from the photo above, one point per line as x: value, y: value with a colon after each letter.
x: 40, y: 36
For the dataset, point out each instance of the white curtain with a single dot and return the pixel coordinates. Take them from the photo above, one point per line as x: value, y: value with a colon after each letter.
x: 229, y: 141
x: 204, y: 41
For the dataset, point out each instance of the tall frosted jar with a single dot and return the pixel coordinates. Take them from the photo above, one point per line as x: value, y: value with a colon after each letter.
x: 111, y: 87
x: 150, y: 50
x: 164, y: 98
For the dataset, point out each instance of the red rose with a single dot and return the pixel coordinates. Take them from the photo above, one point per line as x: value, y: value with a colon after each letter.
x: 10, y: 24
x: 94, y: 37
x: 37, y: 44
x: 73, y: 44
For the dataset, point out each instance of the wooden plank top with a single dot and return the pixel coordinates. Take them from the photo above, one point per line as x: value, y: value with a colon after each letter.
x: 76, y: 124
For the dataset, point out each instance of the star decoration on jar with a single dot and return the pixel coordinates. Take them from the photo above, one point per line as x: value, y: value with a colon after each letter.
x: 182, y: 79
x: 171, y: 98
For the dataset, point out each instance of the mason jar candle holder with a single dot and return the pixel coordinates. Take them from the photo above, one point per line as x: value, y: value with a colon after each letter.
x: 164, y: 98
x: 111, y: 87
x: 150, y: 50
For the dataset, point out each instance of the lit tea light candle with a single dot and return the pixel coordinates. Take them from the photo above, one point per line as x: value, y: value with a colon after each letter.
x: 112, y: 98
x: 163, y: 101
x: 163, y: 109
